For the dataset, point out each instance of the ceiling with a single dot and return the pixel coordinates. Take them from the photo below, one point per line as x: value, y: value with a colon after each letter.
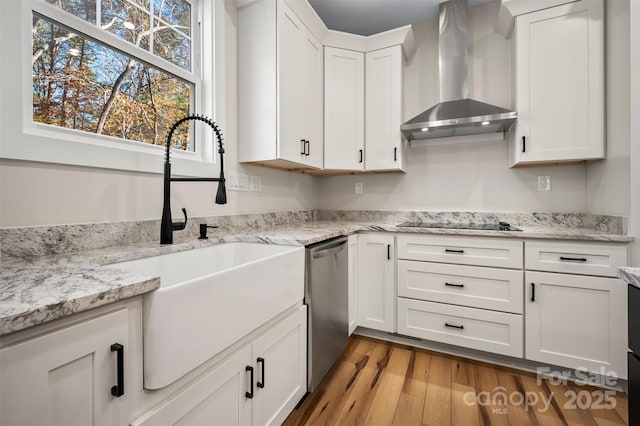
x: 366, y: 17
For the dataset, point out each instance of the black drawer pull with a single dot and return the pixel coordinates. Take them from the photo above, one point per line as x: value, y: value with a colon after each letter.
x: 459, y: 327
x: 395, y: 154
x: 118, y: 390
x: 524, y: 144
x: 388, y: 251
x: 249, y: 395
x: 260, y: 384
x: 454, y: 251
x: 454, y: 285
x: 307, y: 148
x: 533, y: 292
x: 304, y: 145
x: 361, y: 156
x: 573, y: 259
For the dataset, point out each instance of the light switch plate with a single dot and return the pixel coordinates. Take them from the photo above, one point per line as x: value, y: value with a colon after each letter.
x: 256, y: 183
x: 237, y: 181
x: 359, y: 188
x: 544, y: 183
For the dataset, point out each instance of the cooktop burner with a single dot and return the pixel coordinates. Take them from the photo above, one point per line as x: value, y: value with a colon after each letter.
x: 501, y: 226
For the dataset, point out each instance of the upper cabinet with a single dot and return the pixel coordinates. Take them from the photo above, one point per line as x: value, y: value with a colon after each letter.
x: 280, y: 88
x: 343, y: 109
x: 384, y: 143
x: 559, y: 85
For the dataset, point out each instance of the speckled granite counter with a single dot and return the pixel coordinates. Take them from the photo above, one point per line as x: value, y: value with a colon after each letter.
x: 630, y: 275
x: 40, y: 281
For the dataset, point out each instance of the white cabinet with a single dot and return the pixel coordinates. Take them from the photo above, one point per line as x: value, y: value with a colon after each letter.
x: 376, y: 279
x: 258, y: 384
x: 343, y: 109
x: 577, y: 321
x: 352, y: 242
x: 66, y: 376
x: 559, y: 85
x: 280, y: 88
x: 384, y: 143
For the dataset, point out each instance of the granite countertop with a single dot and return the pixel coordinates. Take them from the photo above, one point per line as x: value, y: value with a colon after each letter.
x: 630, y: 275
x: 39, y: 289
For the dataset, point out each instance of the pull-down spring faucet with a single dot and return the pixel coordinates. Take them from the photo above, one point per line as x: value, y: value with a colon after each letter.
x: 167, y: 227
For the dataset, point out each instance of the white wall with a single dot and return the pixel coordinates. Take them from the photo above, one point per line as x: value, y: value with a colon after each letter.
x: 465, y: 176
x: 46, y: 194
x: 634, y: 220
x: 608, y: 181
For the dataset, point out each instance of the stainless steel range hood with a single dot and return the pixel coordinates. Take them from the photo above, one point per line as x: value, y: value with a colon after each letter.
x: 456, y: 115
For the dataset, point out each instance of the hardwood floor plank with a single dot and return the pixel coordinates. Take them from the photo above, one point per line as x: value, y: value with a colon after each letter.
x: 464, y: 407
x: 409, y: 410
x: 415, y: 383
x: 538, y: 402
x: 493, y: 409
x: 462, y: 373
x: 384, y: 404
x: 437, y: 404
x: 518, y: 413
x: 357, y: 405
x: 563, y: 395
x: 622, y: 407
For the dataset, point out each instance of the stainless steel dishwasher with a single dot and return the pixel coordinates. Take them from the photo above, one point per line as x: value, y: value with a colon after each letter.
x: 326, y: 296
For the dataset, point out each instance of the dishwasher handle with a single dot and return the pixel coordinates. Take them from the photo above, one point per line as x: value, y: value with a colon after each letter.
x: 330, y: 251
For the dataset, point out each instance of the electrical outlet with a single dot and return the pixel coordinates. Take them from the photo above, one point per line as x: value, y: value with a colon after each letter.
x: 544, y: 183
x: 256, y: 183
x: 237, y: 181
x: 359, y: 188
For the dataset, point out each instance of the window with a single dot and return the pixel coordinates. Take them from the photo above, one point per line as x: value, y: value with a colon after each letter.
x: 85, y: 84
x: 105, y: 79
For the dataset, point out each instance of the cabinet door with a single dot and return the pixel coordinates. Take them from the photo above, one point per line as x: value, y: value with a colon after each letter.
x: 376, y: 271
x: 289, y: 39
x: 280, y: 362
x: 311, y: 100
x: 353, y: 282
x: 65, y: 377
x: 343, y: 109
x: 217, y: 398
x: 560, y: 84
x: 384, y: 143
x: 576, y: 321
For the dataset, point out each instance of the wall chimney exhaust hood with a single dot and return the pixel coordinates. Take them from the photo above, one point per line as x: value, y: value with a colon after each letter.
x: 456, y: 115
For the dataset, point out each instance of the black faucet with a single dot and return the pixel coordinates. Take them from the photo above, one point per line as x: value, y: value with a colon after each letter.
x: 167, y: 227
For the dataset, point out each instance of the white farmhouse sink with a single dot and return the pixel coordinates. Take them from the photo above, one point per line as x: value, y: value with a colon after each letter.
x: 209, y: 298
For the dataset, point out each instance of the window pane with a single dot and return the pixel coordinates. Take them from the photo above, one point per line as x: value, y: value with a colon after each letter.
x: 81, y: 84
x: 85, y: 9
x: 172, y: 46
x: 177, y: 13
x: 126, y: 21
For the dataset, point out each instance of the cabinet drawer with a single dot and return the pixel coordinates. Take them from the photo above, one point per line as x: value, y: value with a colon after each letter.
x: 575, y: 258
x: 489, y: 331
x: 461, y: 250
x: 473, y: 286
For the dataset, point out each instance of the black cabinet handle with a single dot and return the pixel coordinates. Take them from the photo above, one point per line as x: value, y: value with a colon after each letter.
x: 524, y: 143
x: 533, y: 292
x: 573, y: 259
x: 307, y: 150
x: 454, y: 251
x: 388, y: 251
x: 304, y: 145
x: 261, y: 383
x: 459, y: 327
x: 249, y: 394
x: 454, y: 285
x: 118, y: 390
x: 361, y: 156
x: 395, y: 154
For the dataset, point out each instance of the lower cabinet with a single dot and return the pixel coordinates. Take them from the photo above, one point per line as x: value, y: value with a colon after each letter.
x: 259, y: 384
x: 376, y: 278
x: 68, y: 376
x: 576, y: 321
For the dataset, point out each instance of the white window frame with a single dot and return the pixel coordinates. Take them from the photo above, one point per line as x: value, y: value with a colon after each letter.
x: 23, y: 139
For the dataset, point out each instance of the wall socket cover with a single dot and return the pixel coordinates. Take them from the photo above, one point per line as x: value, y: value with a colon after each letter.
x: 237, y: 181
x: 359, y: 188
x: 256, y: 183
x: 544, y: 183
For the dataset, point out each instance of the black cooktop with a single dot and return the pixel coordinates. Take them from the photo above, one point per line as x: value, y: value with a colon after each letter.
x: 501, y: 226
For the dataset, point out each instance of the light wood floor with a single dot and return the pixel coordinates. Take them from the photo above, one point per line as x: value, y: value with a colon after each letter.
x: 380, y: 383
